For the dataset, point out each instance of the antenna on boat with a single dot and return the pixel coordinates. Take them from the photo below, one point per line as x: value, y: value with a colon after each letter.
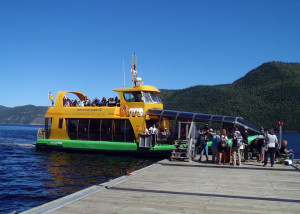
x: 136, y: 81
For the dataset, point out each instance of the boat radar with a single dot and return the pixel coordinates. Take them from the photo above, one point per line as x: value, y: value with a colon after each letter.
x: 136, y: 81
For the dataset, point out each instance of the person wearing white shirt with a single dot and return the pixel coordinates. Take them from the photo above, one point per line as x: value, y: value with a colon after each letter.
x: 153, y: 132
x: 271, y: 141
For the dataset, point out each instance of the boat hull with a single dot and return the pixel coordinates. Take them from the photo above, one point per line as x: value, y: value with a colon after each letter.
x: 106, y: 147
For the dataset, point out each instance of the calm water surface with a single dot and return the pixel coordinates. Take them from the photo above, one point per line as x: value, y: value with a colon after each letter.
x: 29, y: 178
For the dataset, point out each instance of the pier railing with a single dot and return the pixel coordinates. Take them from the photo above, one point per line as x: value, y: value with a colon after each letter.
x: 41, y: 133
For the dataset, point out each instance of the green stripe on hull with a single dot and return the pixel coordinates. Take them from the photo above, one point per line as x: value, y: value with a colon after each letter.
x: 99, y: 145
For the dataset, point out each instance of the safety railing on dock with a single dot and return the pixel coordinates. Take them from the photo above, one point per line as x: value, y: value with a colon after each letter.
x: 41, y: 133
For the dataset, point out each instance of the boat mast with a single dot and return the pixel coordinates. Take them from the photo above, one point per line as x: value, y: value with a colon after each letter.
x: 133, y: 68
x: 136, y: 81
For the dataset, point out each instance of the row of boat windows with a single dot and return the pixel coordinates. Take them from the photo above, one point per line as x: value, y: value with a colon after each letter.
x: 100, y: 130
x: 142, y: 96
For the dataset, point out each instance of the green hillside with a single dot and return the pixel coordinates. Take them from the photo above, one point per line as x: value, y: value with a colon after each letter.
x: 262, y: 97
x: 26, y: 115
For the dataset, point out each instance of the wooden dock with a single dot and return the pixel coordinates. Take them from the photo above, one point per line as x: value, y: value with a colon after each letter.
x: 189, y: 187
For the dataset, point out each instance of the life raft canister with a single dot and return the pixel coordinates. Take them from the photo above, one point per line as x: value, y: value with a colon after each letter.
x: 124, y: 109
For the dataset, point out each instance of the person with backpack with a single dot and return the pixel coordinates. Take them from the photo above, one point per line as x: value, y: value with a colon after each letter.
x: 203, y: 145
x: 215, y: 142
x: 222, y: 146
x: 261, y: 142
x: 237, y: 144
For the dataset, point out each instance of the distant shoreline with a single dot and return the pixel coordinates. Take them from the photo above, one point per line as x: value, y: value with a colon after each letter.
x: 10, y: 124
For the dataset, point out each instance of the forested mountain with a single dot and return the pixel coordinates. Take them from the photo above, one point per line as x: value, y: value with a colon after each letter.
x: 27, y: 115
x: 262, y: 97
x: 3, y: 108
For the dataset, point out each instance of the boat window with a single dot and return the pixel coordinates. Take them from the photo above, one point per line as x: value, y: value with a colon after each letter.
x: 155, y: 97
x: 119, y: 130
x: 95, y: 129
x: 106, y: 134
x: 83, y: 129
x: 129, y: 133
x: 123, y: 131
x: 134, y: 96
x: 48, y: 121
x: 72, y: 128
x: 60, y: 123
x: 151, y: 97
x: 147, y: 97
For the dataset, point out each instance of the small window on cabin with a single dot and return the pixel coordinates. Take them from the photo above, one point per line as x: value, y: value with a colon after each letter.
x: 60, y: 123
x: 151, y: 97
x: 134, y: 96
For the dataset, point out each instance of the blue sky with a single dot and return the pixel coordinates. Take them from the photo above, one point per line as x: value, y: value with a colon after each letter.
x: 81, y: 44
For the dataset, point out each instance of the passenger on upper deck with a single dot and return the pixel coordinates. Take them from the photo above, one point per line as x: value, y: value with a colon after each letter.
x: 103, y: 101
x: 117, y: 101
x: 66, y: 101
x: 86, y: 101
x: 111, y: 102
x: 96, y: 102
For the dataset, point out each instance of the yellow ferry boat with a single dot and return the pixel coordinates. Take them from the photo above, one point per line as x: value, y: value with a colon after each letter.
x: 121, y: 126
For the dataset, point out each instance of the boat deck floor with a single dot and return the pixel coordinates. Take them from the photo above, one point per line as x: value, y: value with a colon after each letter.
x: 189, y: 187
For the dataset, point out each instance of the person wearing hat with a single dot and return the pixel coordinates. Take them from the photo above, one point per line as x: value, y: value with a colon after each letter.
x: 245, y: 135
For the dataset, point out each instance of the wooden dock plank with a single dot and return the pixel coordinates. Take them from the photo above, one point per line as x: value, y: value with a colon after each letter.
x: 190, y: 187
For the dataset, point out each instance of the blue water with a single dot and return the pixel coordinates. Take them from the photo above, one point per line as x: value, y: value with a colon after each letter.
x: 29, y: 178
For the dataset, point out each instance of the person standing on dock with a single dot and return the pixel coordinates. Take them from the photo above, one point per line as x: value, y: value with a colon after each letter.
x: 245, y: 135
x: 236, y: 146
x: 215, y: 142
x: 261, y: 144
x: 203, y: 144
x: 222, y: 146
x: 153, y: 132
x: 271, y: 141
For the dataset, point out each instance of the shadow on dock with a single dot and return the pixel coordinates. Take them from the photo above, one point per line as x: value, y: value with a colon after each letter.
x: 204, y: 194
x: 248, y: 166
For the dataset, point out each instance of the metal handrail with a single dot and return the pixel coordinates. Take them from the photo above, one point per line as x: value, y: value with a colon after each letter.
x: 41, y: 133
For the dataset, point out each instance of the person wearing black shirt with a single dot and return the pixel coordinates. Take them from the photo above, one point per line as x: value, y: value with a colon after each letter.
x: 245, y: 135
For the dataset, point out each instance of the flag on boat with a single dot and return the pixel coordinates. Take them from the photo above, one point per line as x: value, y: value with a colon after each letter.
x: 133, y: 70
x: 51, y: 98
